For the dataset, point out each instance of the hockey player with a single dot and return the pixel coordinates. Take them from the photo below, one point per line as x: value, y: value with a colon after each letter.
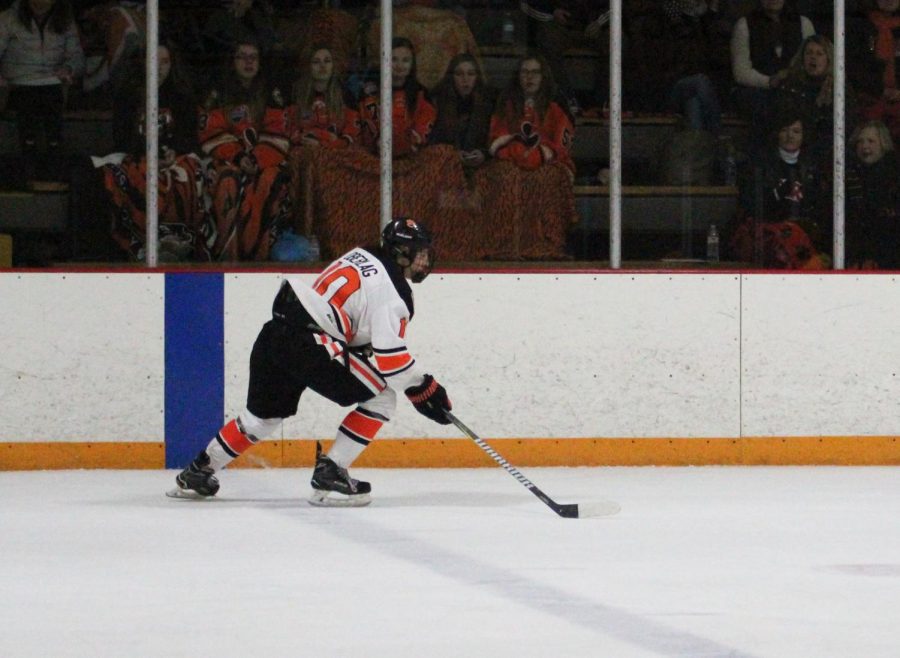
x: 323, y: 337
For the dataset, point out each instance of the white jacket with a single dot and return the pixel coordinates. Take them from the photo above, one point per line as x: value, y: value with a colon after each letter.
x: 29, y: 57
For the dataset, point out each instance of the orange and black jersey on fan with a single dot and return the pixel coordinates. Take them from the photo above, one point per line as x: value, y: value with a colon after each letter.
x: 258, y: 126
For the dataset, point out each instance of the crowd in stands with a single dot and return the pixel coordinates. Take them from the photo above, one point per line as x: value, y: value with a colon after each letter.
x: 269, y: 119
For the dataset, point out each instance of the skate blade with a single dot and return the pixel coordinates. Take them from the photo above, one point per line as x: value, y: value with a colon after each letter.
x: 333, y: 499
x: 185, y: 494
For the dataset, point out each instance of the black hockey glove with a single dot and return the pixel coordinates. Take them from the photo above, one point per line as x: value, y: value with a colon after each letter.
x: 430, y: 399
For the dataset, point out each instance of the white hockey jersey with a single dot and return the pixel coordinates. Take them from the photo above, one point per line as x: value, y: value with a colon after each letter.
x: 361, y: 300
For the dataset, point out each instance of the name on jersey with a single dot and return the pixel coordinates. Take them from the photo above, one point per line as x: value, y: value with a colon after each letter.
x: 364, y: 264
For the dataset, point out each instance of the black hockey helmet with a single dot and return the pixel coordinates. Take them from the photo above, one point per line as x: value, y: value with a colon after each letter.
x: 408, y: 243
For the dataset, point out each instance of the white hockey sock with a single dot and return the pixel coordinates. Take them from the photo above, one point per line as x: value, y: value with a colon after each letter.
x: 345, y: 450
x: 355, y: 433
x: 237, y: 436
x: 218, y: 458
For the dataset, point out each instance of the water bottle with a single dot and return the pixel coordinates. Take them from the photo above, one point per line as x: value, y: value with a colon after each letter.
x: 712, y: 244
x: 313, y: 254
x: 508, y: 34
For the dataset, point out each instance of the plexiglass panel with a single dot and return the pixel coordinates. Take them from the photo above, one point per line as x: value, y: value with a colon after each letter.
x: 269, y: 131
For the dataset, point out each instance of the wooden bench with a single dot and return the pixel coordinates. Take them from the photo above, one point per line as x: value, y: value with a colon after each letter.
x: 32, y: 219
x: 642, y: 136
x: 682, y: 212
x: 84, y: 131
x: 44, y: 208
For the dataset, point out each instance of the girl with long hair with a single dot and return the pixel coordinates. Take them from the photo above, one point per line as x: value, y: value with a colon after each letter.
x: 528, y: 127
x: 464, y: 105
x: 809, y: 87
x: 323, y: 122
x: 320, y: 114
x: 184, y: 230
x: 245, y: 129
x: 529, y: 185
x: 412, y: 110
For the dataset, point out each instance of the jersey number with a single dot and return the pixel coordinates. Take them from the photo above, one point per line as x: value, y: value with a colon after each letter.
x: 348, y: 287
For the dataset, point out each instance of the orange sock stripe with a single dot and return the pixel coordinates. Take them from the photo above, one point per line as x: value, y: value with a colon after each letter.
x: 361, y: 425
x: 234, y: 438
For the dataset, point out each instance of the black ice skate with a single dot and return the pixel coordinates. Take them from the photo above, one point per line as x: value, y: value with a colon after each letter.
x: 333, y: 486
x: 196, y: 481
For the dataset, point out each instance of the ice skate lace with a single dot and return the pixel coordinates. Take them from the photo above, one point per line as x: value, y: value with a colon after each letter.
x: 341, y: 473
x: 345, y: 475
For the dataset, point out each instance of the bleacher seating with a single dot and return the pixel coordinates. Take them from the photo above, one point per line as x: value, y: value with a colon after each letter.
x: 642, y: 137
x: 44, y: 208
x: 680, y: 214
x: 84, y: 131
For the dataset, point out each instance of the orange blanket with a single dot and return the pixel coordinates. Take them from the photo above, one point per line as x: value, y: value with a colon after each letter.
x: 501, y: 212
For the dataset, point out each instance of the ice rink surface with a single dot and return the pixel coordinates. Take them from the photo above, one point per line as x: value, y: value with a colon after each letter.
x: 718, y: 561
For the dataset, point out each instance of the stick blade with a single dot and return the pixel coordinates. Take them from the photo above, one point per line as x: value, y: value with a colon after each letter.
x: 599, y: 508
x: 567, y: 511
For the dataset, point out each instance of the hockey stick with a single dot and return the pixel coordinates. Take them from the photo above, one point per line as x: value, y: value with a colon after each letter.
x: 569, y: 511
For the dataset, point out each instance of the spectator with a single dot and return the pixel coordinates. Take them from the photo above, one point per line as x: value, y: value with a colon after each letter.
x: 322, y: 116
x: 528, y: 127
x: 673, y: 56
x: 885, y: 18
x: 324, y: 26
x: 873, y: 200
x: 244, y: 128
x: 762, y: 46
x: 555, y: 27
x: 112, y: 34
x: 695, y: 62
x: 436, y: 34
x: 464, y: 107
x: 865, y: 72
x: 412, y: 111
x: 795, y: 205
x: 39, y: 56
x: 183, y: 229
x: 322, y: 119
x: 238, y: 21
x: 529, y: 187
x: 809, y: 86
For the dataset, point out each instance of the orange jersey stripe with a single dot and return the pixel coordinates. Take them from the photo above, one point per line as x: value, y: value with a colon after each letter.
x: 376, y: 384
x: 330, y: 344
x: 324, y: 276
x: 346, y: 325
x: 392, y: 362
